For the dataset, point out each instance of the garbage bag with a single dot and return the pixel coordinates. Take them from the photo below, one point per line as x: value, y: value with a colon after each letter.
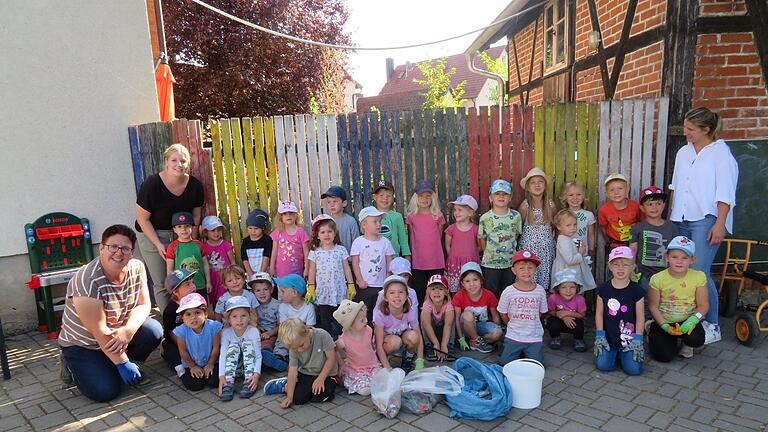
x: 385, y: 391
x: 486, y: 394
x: 417, y: 402
x: 437, y: 380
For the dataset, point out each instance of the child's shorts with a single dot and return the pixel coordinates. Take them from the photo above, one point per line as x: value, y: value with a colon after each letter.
x: 485, y: 327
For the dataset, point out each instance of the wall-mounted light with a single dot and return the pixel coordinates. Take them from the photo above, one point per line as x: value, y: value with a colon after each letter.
x: 593, y: 39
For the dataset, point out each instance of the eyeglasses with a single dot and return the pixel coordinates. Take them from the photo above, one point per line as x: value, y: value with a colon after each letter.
x: 126, y: 250
x: 621, y: 265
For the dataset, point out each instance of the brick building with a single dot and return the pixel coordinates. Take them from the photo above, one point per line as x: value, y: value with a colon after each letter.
x: 711, y: 53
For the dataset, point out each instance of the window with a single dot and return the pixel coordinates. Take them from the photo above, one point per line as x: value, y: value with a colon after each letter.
x: 555, y: 34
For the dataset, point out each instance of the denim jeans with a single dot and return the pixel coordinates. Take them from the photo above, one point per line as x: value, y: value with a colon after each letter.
x: 94, y: 373
x: 705, y: 254
x: 513, y: 349
x: 607, y: 361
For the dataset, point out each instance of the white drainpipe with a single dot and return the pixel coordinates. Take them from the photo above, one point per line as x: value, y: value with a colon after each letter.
x: 488, y: 74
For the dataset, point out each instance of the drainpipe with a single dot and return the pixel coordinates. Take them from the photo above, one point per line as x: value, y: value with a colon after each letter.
x: 494, y: 76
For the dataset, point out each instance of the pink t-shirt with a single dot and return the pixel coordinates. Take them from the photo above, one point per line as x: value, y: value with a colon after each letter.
x: 289, y: 257
x: 575, y: 304
x: 464, y: 243
x: 524, y: 309
x: 359, y: 352
x: 393, y: 325
x: 437, y: 316
x: 426, y: 241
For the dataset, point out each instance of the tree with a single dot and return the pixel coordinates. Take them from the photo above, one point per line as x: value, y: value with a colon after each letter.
x: 437, y: 82
x: 498, y: 66
x: 223, y: 68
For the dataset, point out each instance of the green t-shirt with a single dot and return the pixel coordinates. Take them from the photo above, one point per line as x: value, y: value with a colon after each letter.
x: 393, y: 229
x: 311, y: 361
x: 189, y: 255
x: 678, y: 296
x: 500, y: 233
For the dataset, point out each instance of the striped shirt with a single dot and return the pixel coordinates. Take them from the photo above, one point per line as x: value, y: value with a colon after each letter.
x: 118, y: 300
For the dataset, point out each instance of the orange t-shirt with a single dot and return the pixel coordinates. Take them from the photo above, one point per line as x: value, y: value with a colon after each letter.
x: 617, y: 223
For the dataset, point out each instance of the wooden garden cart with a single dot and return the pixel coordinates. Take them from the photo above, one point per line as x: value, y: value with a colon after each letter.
x: 736, y: 271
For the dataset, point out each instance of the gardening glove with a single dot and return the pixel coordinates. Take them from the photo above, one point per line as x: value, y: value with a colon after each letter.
x: 673, y: 330
x: 601, y: 343
x: 636, y: 277
x: 351, y: 291
x: 129, y: 372
x: 463, y: 344
x: 636, y: 346
x: 418, y: 364
x: 310, y: 295
x: 689, y: 324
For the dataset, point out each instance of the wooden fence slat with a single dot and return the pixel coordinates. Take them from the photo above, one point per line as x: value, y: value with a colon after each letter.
x: 355, y: 174
x: 528, y: 144
x: 365, y: 157
x: 582, y: 122
x: 230, y: 178
x: 260, y: 156
x: 322, y: 156
x: 282, y: 161
x: 462, y: 148
x: 485, y: 155
x: 506, y: 143
x: 518, y: 152
x: 384, y: 135
x: 301, y: 189
x: 409, y: 164
x: 397, y: 156
x: 661, y: 142
x: 637, y: 147
x: 650, y: 111
x: 315, y: 164
x: 250, y: 162
x: 195, y: 133
x: 333, y: 150
x: 592, y: 179
x: 495, y: 143
x: 375, y: 150
x: 540, y: 116
x: 419, y: 140
x: 271, y: 146
x: 550, y: 133
x: 136, y: 159
x: 473, y: 146
x: 439, y: 146
x: 606, y: 135
x: 626, y: 138
x: 571, y: 131
x: 452, y: 175
x: 560, y: 144
x: 239, y: 169
x: 344, y: 151
x: 217, y: 162
x: 292, y: 159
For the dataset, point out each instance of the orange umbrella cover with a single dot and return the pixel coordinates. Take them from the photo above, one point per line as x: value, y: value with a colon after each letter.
x: 164, y: 81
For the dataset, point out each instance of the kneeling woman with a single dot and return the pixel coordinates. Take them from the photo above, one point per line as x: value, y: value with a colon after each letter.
x: 677, y: 300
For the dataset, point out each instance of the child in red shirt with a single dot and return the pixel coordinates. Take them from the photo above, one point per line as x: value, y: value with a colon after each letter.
x: 617, y: 215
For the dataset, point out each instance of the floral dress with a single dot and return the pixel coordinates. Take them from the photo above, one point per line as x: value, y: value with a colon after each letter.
x: 539, y: 239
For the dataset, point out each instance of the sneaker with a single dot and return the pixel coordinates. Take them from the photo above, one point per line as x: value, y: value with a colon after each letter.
x: 480, y: 345
x: 579, y: 345
x: 407, y: 363
x: 275, y: 386
x: 555, y: 343
x: 64, y: 372
x: 429, y: 353
x: 227, y: 392
x: 711, y: 333
x: 246, y: 393
x: 686, y: 351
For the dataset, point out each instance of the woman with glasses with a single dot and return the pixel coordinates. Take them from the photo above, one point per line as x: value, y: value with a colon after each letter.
x: 106, y: 327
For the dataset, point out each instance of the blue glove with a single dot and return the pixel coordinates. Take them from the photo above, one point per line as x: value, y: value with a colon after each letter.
x: 129, y: 372
x: 636, y: 346
x: 601, y: 343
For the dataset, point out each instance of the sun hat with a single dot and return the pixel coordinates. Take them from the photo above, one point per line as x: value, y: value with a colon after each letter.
x: 682, y: 243
x: 236, y: 302
x: 470, y: 266
x: 257, y: 218
x: 500, y: 185
x: 621, y: 252
x: 567, y: 275
x: 382, y: 184
x: 393, y: 279
x: 210, y: 223
x: 319, y: 218
x: 423, y: 186
x: 466, y: 200
x: 335, y: 192
x: 652, y: 192
x: 400, y: 265
x: 293, y: 281
x: 369, y: 211
x: 287, y: 207
x: 176, y: 278
x: 191, y: 301
x: 534, y: 172
x: 438, y: 279
x: 346, y: 313
x: 261, y: 277
x: 614, y: 176
x: 182, y: 218
x: 525, y: 255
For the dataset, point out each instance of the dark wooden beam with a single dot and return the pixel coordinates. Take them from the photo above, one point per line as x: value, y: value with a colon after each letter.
x: 618, y: 63
x: 600, y: 50
x: 640, y: 40
x: 679, y: 57
x: 722, y: 24
x: 533, y: 55
x: 758, y: 17
x: 527, y: 87
x: 571, y: 50
x: 517, y: 66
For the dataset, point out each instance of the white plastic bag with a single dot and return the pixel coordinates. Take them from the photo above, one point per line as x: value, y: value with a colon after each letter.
x: 436, y: 380
x: 385, y: 391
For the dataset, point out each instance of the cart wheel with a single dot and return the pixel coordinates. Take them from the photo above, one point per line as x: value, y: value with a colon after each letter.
x: 746, y: 329
x: 729, y: 298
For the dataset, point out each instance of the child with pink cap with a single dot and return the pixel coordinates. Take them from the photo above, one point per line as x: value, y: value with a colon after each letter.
x: 291, y: 242
x: 461, y: 242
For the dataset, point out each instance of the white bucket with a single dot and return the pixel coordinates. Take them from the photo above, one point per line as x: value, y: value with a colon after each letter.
x: 525, y: 376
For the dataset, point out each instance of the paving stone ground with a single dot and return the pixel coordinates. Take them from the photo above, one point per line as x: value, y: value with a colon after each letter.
x: 724, y: 387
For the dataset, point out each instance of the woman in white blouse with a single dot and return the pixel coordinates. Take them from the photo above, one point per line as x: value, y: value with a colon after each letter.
x: 704, y: 194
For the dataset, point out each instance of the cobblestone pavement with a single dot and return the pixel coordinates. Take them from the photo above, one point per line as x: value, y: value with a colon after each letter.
x: 724, y: 387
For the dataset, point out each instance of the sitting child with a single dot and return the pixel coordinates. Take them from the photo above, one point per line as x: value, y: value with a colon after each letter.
x: 396, y: 325
x: 476, y: 308
x: 178, y: 283
x: 437, y: 321
x: 240, y: 353
x: 198, y: 340
x: 312, y: 366
x: 521, y: 306
x: 566, y: 310
x: 262, y: 286
x: 401, y: 267
x: 355, y: 348
x: 292, y: 288
x: 234, y: 280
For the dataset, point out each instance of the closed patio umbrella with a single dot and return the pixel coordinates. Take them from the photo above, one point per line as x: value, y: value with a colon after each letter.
x: 164, y: 81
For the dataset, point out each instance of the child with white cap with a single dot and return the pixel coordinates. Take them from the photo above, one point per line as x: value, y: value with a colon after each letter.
x: 401, y: 267
x: 461, y: 242
x: 199, y: 341
x: 371, y: 258
x: 291, y: 242
x: 240, y: 353
x: 567, y: 309
x: 221, y: 254
x: 356, y: 356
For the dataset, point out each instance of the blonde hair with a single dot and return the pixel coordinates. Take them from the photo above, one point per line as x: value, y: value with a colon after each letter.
x: 569, y: 185
x: 252, y: 320
x: 233, y: 270
x: 292, y: 330
x: 434, y: 207
x: 177, y: 148
x: 223, y: 232
x: 473, y: 217
x: 277, y: 221
x: 705, y: 118
x: 446, y: 291
x: 546, y: 203
x: 562, y: 214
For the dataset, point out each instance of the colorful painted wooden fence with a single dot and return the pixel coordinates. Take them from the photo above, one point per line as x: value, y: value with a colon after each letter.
x: 149, y: 141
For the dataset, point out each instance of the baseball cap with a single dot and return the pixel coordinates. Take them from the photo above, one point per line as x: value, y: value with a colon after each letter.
x: 182, y: 218
x: 335, y: 192
x: 500, y: 185
x: 534, y: 172
x: 466, y: 200
x: 614, y: 176
x: 622, y: 252
x: 567, y: 275
x: 261, y: 277
x: 191, y: 301
x: 293, y: 281
x: 257, y: 218
x: 319, y: 218
x: 423, y: 186
x: 652, y: 192
x: 369, y: 211
x: 236, y: 302
x: 471, y: 266
x: 176, y: 278
x: 400, y: 265
x: 393, y: 279
x: 438, y: 279
x: 346, y: 313
x: 682, y: 243
x: 287, y: 207
x: 381, y: 184
x: 211, y: 223
x: 525, y: 255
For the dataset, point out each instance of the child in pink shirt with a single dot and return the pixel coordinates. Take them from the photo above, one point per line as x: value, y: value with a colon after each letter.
x: 354, y: 348
x: 566, y: 310
x: 291, y: 243
x: 425, y: 223
x: 461, y: 240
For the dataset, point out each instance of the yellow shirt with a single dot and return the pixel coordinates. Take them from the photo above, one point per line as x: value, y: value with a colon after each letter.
x: 678, y: 295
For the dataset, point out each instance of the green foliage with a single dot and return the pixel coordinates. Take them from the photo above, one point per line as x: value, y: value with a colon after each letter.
x: 498, y: 66
x: 437, y: 82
